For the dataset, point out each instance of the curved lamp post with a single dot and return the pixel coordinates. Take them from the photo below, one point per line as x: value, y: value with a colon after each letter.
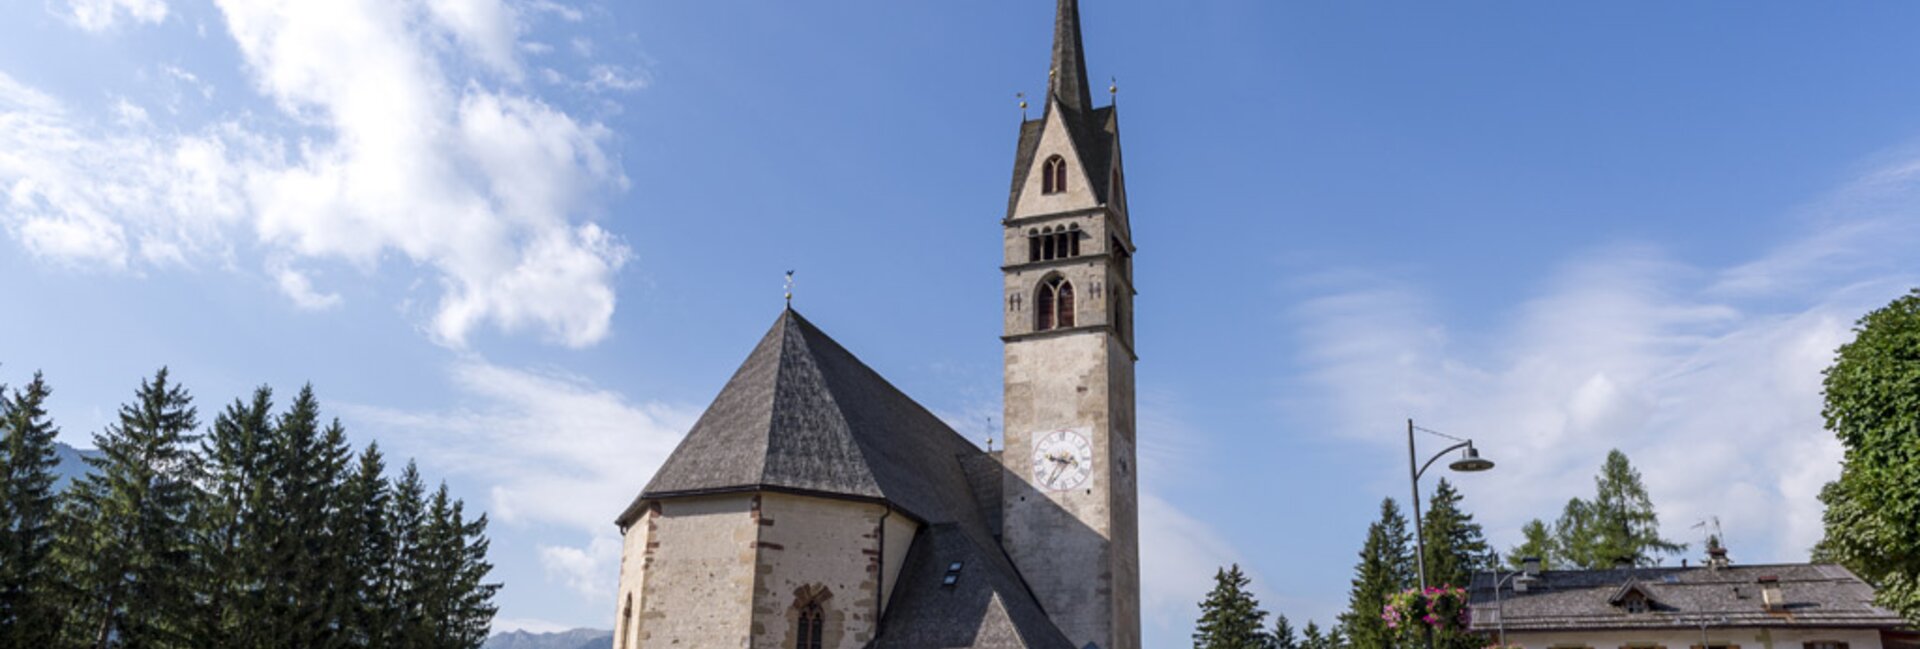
x: 1469, y: 462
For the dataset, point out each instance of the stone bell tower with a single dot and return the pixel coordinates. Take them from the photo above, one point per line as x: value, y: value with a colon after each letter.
x: 1070, y: 510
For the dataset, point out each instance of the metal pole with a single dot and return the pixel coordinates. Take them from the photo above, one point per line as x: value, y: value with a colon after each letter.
x: 1419, y: 535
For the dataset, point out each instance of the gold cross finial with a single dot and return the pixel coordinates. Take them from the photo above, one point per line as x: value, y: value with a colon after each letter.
x: 789, y: 289
x: 1023, y: 104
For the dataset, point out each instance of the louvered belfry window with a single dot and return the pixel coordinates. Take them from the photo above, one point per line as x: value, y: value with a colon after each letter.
x: 813, y: 623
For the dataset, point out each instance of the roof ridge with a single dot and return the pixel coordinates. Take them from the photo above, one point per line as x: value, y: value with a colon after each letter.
x: 826, y: 387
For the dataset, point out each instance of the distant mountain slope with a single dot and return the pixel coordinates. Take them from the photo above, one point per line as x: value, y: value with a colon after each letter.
x: 71, y: 465
x: 575, y: 639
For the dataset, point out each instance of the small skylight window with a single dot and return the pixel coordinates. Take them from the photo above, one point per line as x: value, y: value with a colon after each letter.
x: 950, y: 579
x: 953, y: 567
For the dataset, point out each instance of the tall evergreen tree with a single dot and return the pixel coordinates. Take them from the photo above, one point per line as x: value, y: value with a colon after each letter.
x: 1230, y: 617
x: 1456, y: 546
x: 1284, y: 637
x: 369, y: 545
x: 403, y: 579
x: 1537, y: 542
x: 1618, y: 524
x: 233, y: 527
x: 125, y: 543
x: 1311, y: 638
x: 1385, y: 568
x: 28, y: 617
x: 1337, y: 637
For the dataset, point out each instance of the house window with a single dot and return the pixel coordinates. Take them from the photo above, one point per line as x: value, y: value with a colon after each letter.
x: 1053, y: 178
x: 813, y: 623
x: 1635, y: 605
x: 1053, y: 304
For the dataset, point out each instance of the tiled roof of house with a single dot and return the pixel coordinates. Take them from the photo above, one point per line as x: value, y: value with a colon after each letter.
x: 1815, y: 595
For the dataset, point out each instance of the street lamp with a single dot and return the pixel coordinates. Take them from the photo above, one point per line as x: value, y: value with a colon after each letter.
x: 1522, y: 578
x: 1469, y: 462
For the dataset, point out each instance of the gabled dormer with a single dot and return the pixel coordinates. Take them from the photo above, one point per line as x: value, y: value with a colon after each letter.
x: 1633, y: 597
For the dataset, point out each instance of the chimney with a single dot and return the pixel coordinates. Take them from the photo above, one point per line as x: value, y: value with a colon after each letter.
x: 1622, y: 563
x: 1717, y: 557
x: 1530, y: 565
x: 1770, y: 595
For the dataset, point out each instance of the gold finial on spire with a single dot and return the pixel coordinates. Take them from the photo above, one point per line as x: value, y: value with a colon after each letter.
x: 1113, y: 89
x: 1023, y: 104
x: 989, y: 434
x: 789, y: 289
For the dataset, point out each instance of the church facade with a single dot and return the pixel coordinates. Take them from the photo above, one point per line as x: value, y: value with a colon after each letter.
x: 813, y: 505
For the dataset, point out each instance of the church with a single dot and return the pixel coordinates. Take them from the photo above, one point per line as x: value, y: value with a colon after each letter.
x: 813, y: 505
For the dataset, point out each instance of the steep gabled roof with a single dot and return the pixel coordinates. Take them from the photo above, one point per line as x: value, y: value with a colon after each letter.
x: 987, y: 606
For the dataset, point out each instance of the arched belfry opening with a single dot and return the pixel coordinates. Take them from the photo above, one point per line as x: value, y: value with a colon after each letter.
x: 1053, y: 179
x: 1053, y: 304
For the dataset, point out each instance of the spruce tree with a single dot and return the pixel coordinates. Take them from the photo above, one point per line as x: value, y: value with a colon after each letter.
x: 1456, y: 546
x: 403, y: 581
x: 125, y: 543
x: 1310, y: 638
x: 233, y: 528
x: 1284, y: 636
x: 1382, y: 571
x: 1336, y: 637
x: 1230, y: 617
x: 369, y: 550
x: 28, y: 617
x: 1618, y: 524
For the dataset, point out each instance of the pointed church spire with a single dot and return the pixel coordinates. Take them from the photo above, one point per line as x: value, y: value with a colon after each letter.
x: 1067, y: 79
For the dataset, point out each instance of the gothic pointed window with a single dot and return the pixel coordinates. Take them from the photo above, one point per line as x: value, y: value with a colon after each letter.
x: 813, y: 623
x: 1053, y: 177
x: 1053, y: 304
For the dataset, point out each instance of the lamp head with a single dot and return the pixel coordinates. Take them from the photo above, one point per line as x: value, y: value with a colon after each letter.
x: 1470, y: 461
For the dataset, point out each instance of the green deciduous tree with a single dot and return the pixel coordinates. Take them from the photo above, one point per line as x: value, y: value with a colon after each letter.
x: 28, y: 616
x: 1618, y: 524
x: 1386, y: 567
x: 1873, y: 406
x: 1230, y: 616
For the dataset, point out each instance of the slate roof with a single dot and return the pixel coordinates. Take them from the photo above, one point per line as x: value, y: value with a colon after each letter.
x: 803, y: 415
x: 1817, y: 595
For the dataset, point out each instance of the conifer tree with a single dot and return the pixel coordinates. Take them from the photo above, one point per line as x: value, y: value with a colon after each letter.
x: 1230, y: 617
x: 1456, y: 546
x: 1310, y: 638
x: 1336, y: 637
x: 125, y: 544
x: 1618, y: 524
x: 1537, y: 542
x: 1384, y: 569
x: 232, y: 530
x: 28, y: 617
x: 403, y: 580
x: 1284, y: 636
x: 369, y: 544
x: 457, y: 603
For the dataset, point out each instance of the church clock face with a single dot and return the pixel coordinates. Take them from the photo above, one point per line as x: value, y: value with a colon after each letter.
x: 1062, y: 460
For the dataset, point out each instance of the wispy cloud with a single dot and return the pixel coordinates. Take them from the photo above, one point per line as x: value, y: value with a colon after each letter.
x: 491, y: 189
x: 1708, y: 378
x: 554, y: 451
x: 101, y: 15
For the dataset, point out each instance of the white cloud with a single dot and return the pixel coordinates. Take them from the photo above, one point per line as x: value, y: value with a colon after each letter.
x: 555, y: 451
x: 99, y: 15
x: 489, y: 189
x: 1709, y: 379
x: 591, y: 571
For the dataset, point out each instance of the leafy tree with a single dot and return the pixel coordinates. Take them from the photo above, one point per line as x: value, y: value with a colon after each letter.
x: 125, y: 543
x: 1456, y: 546
x: 1386, y: 567
x: 28, y: 617
x: 1537, y: 542
x: 1311, y: 637
x: 1283, y: 635
x: 1873, y: 406
x: 1230, y: 617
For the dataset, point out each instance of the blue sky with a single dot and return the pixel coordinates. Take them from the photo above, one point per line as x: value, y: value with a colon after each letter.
x: 525, y: 241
